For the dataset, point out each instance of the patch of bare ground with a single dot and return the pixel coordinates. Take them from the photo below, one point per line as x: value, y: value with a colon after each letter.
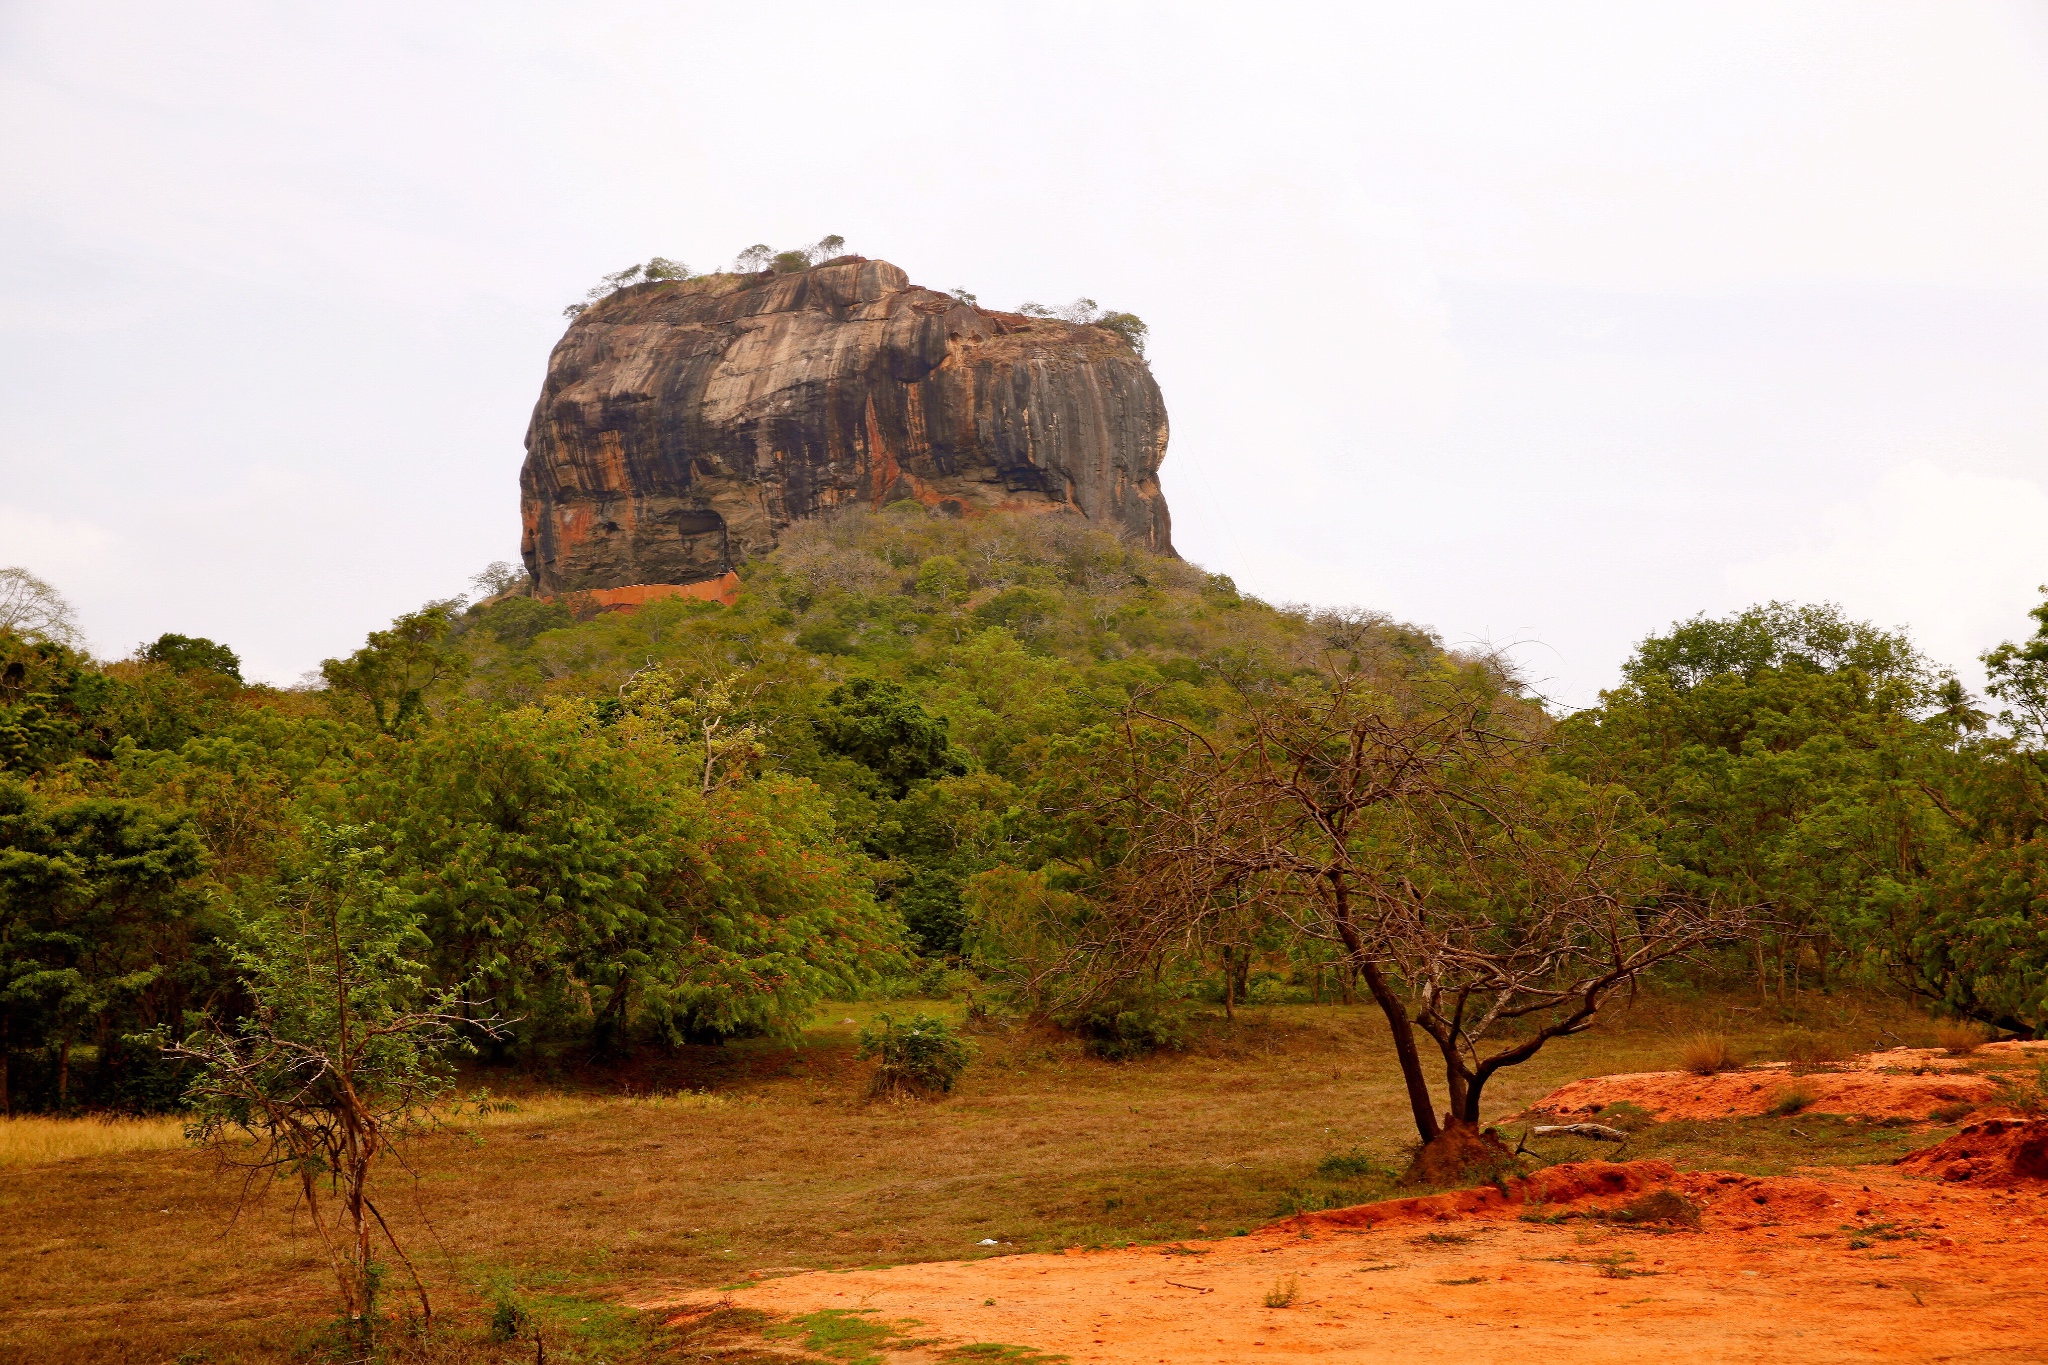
x: 1864, y: 1265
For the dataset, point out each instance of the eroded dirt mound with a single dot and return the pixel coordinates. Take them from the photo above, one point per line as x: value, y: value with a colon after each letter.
x: 1573, y: 1183
x: 2002, y: 1153
x: 1744, y: 1094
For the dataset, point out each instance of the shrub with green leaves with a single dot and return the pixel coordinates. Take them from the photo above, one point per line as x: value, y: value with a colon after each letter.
x: 1124, y: 1027
x: 918, y: 1056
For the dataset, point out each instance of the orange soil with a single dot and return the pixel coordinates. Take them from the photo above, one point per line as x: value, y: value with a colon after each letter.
x: 2002, y: 1153
x: 1880, y: 1085
x: 1943, y: 1272
x: 724, y: 589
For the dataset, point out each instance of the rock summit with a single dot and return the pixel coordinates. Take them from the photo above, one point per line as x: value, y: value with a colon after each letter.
x: 684, y: 423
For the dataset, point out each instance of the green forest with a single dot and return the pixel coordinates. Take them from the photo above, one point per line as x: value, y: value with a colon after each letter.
x: 1010, y: 758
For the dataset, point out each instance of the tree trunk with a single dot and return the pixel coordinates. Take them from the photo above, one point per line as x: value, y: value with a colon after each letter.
x: 1390, y: 1005
x: 6, y: 1095
x: 64, y: 1074
x: 1403, y: 1030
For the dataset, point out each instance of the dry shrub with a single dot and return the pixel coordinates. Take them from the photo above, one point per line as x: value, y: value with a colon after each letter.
x: 1703, y: 1054
x: 1808, y: 1048
x: 1958, y: 1037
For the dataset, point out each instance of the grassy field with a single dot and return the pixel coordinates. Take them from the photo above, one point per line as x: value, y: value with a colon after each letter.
x: 697, y: 1169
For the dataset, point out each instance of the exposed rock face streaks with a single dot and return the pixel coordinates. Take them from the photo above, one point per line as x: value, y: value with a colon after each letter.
x: 683, y: 424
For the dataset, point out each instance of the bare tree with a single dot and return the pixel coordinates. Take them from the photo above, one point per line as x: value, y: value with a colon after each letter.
x: 32, y: 608
x: 1488, y: 904
x: 499, y: 576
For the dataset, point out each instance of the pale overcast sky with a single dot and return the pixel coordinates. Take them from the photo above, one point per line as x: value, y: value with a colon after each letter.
x: 1550, y: 323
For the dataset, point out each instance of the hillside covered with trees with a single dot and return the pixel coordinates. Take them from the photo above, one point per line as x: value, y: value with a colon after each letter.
x: 1007, y: 755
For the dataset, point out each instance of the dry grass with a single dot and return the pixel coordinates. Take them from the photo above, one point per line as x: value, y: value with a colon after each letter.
x: 37, y: 1141
x: 1959, y: 1037
x: 1703, y: 1054
x: 1808, y: 1047
x: 573, y: 1201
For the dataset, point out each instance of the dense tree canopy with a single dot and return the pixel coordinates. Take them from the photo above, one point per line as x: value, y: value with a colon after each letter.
x: 686, y: 822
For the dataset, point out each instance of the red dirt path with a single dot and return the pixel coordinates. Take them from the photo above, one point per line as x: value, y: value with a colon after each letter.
x: 1859, y: 1265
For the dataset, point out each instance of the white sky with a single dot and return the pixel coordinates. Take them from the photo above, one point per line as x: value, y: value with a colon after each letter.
x: 1548, y: 322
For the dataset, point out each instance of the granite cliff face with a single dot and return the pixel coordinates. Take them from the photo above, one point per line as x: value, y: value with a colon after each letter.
x: 683, y: 424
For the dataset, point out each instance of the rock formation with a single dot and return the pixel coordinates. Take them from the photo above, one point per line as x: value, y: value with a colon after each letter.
x: 684, y: 423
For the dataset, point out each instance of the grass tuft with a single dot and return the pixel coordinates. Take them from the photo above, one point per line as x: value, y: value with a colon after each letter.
x: 1793, y: 1099
x: 1348, y: 1165
x: 1281, y: 1295
x: 1958, y: 1037
x: 1704, y: 1054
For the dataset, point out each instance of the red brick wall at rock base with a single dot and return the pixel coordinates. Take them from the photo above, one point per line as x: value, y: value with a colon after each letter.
x: 724, y: 590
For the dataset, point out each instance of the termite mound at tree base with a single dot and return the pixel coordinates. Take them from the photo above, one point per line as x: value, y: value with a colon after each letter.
x: 1460, y: 1150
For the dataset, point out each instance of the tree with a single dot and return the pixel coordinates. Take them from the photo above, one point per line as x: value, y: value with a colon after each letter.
x: 34, y: 610
x: 1781, y: 637
x: 2019, y: 678
x: 341, y: 1056
x: 569, y: 862
x: 94, y: 903
x: 1779, y: 753
x: 185, y: 653
x: 701, y: 720
x: 391, y: 673
x: 660, y: 268
x: 498, y: 577
x: 1413, y: 825
x: 880, y: 725
x: 1129, y: 326
x: 754, y: 259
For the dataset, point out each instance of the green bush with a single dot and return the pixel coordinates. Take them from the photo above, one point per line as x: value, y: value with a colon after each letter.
x: 1121, y: 1028
x: 918, y: 1056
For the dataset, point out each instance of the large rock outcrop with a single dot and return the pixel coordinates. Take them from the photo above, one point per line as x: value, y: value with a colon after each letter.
x: 685, y: 423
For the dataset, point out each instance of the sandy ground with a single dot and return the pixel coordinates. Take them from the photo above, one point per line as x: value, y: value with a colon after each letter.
x: 1944, y: 1272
